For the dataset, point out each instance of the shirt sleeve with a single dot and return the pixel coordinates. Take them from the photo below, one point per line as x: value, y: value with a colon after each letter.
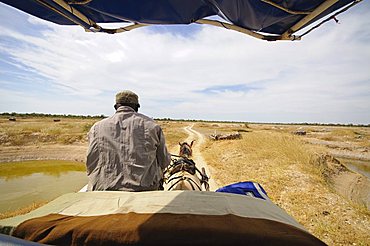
x: 92, y: 152
x: 163, y: 157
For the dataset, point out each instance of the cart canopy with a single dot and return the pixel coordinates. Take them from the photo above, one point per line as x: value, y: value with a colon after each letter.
x: 264, y: 19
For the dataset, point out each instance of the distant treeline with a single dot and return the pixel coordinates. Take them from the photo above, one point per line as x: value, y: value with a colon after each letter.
x: 13, y: 114
x: 205, y: 121
x: 52, y: 115
x: 264, y: 123
x: 318, y: 124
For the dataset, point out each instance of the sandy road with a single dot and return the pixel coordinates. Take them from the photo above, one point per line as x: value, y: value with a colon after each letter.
x: 197, y: 156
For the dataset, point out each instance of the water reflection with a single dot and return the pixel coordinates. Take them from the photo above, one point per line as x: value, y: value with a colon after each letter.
x: 48, y: 167
x: 21, y: 184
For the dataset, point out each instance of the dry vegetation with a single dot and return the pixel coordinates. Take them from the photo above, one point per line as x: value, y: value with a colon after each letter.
x: 35, y: 131
x: 174, y: 133
x: 24, y: 210
x: 290, y: 168
x: 294, y: 176
x: 44, y: 131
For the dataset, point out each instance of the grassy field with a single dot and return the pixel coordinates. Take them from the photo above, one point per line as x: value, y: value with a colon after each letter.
x: 39, y: 131
x: 292, y: 173
x: 173, y: 133
x: 291, y: 168
x: 33, y: 131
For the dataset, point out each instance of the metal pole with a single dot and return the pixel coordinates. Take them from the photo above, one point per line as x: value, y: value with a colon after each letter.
x: 238, y: 29
x: 308, y: 18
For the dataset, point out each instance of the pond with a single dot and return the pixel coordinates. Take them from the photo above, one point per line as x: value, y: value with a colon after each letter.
x: 23, y: 183
x: 358, y: 166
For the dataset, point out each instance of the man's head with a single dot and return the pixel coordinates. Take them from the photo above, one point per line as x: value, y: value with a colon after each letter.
x: 127, y: 98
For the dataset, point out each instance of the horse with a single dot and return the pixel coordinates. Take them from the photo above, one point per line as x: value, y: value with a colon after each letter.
x: 182, y: 172
x: 185, y: 149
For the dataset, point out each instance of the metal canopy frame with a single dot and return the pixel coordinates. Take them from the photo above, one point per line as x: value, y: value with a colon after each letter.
x: 65, y: 9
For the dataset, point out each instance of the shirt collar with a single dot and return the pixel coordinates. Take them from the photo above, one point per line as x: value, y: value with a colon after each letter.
x: 125, y: 109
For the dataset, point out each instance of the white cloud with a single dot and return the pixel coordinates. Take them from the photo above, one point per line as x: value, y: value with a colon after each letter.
x: 324, y: 77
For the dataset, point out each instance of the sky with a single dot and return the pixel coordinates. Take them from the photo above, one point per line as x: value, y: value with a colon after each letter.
x: 188, y: 71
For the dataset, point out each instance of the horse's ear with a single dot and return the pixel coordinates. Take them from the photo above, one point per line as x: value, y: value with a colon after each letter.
x: 179, y: 143
x: 191, y: 144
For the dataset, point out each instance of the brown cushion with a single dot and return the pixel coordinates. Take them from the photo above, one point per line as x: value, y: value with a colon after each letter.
x: 161, y: 229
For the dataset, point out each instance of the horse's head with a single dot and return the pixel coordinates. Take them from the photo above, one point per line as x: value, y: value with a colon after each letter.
x: 185, y: 149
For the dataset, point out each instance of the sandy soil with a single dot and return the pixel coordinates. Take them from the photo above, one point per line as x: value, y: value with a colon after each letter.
x: 355, y: 187
x: 342, y: 149
x: 76, y: 152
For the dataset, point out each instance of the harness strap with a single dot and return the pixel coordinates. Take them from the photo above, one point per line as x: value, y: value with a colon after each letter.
x: 204, y: 177
x: 187, y: 165
x: 183, y: 167
x: 182, y: 178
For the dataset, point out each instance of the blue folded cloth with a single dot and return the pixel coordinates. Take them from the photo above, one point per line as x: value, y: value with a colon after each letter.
x: 247, y: 188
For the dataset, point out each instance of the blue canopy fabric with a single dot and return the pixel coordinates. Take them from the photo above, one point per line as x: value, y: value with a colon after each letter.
x: 272, y: 17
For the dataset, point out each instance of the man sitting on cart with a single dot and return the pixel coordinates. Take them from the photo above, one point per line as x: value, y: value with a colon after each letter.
x: 127, y: 151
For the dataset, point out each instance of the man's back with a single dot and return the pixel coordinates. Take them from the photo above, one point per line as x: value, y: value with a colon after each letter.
x: 127, y: 152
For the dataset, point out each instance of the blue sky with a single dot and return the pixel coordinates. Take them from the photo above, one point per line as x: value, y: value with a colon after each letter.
x: 188, y: 72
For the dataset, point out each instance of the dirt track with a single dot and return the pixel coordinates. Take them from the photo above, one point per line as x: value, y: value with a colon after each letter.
x: 197, y: 156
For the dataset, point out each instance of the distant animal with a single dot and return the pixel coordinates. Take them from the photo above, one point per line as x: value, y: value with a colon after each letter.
x: 182, y: 173
x: 230, y: 136
x: 300, y: 132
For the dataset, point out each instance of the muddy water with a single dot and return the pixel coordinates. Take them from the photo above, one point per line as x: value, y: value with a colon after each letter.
x: 24, y: 183
x: 358, y: 166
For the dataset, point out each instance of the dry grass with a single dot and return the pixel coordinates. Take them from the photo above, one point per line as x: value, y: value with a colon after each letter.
x: 282, y: 163
x: 24, y: 210
x: 360, y: 135
x: 288, y: 170
x: 221, y: 128
x: 260, y: 156
x: 39, y: 131
x: 174, y: 133
x: 36, y: 131
x: 340, y: 134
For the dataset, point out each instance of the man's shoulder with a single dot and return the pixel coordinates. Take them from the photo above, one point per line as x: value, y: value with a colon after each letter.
x: 144, y: 117
x: 132, y: 116
x: 102, y: 122
x: 147, y: 120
